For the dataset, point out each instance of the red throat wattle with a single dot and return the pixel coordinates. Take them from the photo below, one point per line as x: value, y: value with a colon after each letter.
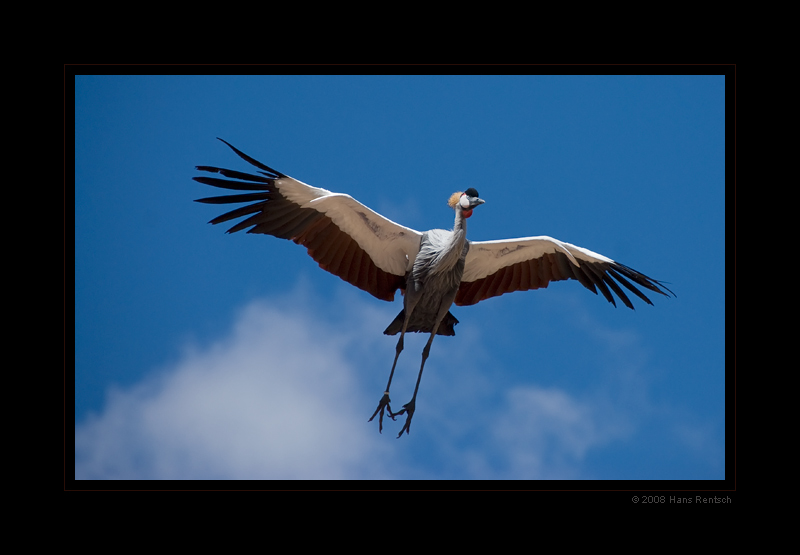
x: 467, y: 213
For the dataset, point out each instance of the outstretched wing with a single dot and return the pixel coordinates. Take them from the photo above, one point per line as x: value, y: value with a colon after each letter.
x: 496, y: 267
x: 345, y: 237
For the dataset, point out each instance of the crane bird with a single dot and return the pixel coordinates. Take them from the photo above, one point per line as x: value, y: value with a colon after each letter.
x: 434, y: 269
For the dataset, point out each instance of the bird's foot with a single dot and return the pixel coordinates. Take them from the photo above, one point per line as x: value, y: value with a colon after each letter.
x: 409, y: 408
x: 383, y: 405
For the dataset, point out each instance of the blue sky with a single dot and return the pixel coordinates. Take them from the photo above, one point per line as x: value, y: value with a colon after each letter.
x: 204, y: 355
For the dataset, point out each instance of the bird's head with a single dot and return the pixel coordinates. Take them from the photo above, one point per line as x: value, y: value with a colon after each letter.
x: 467, y: 201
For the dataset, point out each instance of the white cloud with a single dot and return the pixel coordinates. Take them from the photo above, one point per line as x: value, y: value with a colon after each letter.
x: 547, y: 432
x: 287, y: 393
x: 277, y: 399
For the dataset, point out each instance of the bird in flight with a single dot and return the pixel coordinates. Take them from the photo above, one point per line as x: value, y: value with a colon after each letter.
x: 433, y: 269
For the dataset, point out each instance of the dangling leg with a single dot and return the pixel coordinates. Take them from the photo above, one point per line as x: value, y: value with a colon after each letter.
x: 410, y: 406
x: 409, y: 303
x: 384, y: 402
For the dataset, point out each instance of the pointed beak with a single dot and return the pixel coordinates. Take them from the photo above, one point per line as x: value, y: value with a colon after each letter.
x: 475, y: 201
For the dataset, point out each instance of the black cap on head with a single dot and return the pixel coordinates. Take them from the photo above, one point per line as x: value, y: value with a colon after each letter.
x: 471, y: 192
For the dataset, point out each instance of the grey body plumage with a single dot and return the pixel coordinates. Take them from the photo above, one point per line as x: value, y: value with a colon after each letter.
x: 433, y: 280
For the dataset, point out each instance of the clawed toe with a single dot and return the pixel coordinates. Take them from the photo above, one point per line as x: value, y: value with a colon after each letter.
x: 408, y: 408
x: 383, y: 405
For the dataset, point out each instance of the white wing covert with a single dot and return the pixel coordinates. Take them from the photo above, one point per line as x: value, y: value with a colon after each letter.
x: 345, y: 237
x: 496, y: 267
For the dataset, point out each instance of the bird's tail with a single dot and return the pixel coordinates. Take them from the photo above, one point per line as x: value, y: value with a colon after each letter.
x: 445, y: 327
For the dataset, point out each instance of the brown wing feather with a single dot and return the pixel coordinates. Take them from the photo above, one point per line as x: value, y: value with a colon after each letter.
x: 539, y: 272
x: 273, y: 214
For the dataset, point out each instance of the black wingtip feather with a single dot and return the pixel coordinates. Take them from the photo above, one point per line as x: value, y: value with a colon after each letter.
x: 643, y: 280
x: 230, y: 199
x: 618, y: 270
x: 620, y: 293
x: 253, y: 161
x: 217, y: 182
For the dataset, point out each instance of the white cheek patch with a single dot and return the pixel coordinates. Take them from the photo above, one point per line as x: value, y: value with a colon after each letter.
x: 464, y: 201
